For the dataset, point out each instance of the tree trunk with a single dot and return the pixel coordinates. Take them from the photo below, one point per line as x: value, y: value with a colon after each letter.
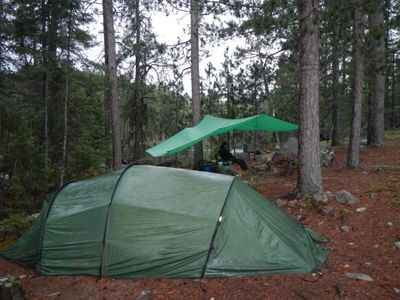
x: 335, y: 87
x: 107, y: 117
x: 378, y: 102
x: 387, y: 8
x: 309, y: 180
x: 194, y: 57
x: 137, y: 97
x: 112, y: 84
x: 46, y: 124
x: 45, y: 90
x: 393, y: 98
x: 66, y: 99
x: 1, y: 35
x: 357, y: 92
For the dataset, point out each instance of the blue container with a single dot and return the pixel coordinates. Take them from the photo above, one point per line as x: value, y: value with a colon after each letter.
x: 207, y: 168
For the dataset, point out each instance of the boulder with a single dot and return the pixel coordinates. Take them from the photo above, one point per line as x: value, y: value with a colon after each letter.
x: 319, y: 197
x: 327, y: 155
x: 345, y: 197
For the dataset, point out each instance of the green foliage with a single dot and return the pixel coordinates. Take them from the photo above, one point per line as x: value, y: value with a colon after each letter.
x: 16, y: 223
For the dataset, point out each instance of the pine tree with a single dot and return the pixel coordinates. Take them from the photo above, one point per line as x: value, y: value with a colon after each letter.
x: 309, y: 181
x: 357, y: 90
x: 111, y: 75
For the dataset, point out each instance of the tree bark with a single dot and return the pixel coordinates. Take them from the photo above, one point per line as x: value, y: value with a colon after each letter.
x: 309, y: 180
x: 357, y: 91
x: 335, y: 87
x: 377, y: 125
x: 137, y: 97
x: 1, y: 35
x: 195, y: 74
x: 45, y: 88
x: 111, y: 84
x: 393, y: 96
x: 66, y: 99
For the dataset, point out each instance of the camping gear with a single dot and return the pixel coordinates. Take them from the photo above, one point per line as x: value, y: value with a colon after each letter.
x: 147, y: 221
x: 211, y: 126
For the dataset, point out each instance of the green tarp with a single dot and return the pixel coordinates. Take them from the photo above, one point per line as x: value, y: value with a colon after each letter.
x: 211, y: 126
x: 155, y: 222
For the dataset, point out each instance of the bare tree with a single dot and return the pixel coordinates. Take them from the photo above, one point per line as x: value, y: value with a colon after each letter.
x: 357, y: 91
x: 194, y: 55
x: 309, y: 180
x: 111, y: 84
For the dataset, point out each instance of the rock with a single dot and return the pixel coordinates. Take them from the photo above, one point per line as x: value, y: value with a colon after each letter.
x: 343, y: 217
x: 54, y: 295
x: 364, y: 173
x: 396, y: 290
x: 360, y: 276
x: 330, y: 195
x: 143, y: 295
x: 33, y: 217
x: 373, y: 196
x: 326, y: 210
x: 384, y: 168
x: 281, y: 202
x: 10, y: 289
x: 261, y: 167
x: 301, y: 217
x: 361, y: 209
x: 291, y: 204
x: 390, y: 224
x: 228, y: 170
x: 345, y: 197
x: 327, y: 155
x: 397, y: 244
x: 290, y: 146
x: 345, y: 228
x: 319, y: 197
x: 339, y: 290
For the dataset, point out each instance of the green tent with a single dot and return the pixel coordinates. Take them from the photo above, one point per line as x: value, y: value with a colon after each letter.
x: 148, y: 221
x: 211, y: 126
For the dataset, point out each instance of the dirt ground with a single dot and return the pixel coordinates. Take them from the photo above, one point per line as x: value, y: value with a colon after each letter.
x: 367, y: 248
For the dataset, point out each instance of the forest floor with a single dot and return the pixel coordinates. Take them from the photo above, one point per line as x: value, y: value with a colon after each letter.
x: 367, y: 248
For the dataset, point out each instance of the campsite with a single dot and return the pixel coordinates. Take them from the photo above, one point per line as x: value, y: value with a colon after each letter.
x: 202, y: 149
x: 367, y: 248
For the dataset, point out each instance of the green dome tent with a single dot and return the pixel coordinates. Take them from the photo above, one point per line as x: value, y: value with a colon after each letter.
x: 147, y: 221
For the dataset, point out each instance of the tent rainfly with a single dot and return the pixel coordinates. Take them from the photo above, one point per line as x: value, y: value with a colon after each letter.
x: 156, y: 222
x: 211, y: 126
